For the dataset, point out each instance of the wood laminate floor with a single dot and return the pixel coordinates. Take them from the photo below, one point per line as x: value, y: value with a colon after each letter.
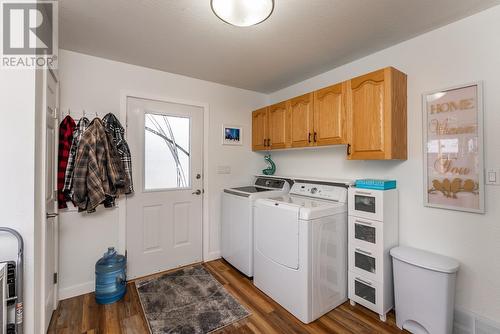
x: 82, y: 315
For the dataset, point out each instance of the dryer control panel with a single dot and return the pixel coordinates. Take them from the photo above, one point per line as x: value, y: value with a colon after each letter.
x: 320, y: 191
x: 270, y: 183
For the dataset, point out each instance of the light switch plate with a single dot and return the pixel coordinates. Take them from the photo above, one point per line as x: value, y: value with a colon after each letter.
x: 493, y: 176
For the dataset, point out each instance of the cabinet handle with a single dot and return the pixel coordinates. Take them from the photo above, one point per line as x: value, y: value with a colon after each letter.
x: 363, y: 252
x: 364, y: 193
x: 348, y: 149
x: 269, y: 142
x: 315, y: 136
x: 309, y: 138
x: 363, y: 222
x: 363, y: 281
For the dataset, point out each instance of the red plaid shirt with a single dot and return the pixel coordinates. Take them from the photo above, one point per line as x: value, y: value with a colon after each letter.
x: 66, y: 130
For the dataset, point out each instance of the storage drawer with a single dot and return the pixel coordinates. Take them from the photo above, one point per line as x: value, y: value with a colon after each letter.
x: 365, y: 261
x: 366, y: 292
x: 367, y: 233
x: 366, y: 203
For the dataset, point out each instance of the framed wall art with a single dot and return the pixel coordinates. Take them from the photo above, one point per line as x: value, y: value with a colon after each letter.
x: 232, y: 135
x: 453, y: 148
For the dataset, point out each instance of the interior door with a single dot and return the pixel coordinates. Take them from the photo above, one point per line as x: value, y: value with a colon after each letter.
x: 164, y: 216
x: 330, y: 115
x: 278, y: 126
x: 301, y: 118
x: 50, y: 231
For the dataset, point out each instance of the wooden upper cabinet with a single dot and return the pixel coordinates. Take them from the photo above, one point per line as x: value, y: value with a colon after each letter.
x: 330, y: 115
x: 278, y: 126
x: 377, y: 116
x: 301, y: 120
x: 260, y: 129
x: 368, y: 113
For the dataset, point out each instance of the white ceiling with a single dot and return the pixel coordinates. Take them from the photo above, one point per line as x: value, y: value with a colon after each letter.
x: 301, y: 39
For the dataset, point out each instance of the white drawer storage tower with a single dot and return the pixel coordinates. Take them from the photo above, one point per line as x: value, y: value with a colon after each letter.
x: 373, y: 231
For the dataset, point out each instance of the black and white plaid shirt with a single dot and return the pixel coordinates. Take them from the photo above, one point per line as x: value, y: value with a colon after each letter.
x: 114, y: 127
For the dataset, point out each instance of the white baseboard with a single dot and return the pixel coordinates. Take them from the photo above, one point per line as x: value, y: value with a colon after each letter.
x: 212, y: 256
x: 466, y: 322
x: 87, y: 287
x: 76, y: 290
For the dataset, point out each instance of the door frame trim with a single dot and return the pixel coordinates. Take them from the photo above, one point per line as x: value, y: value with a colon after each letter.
x: 40, y: 298
x: 122, y: 207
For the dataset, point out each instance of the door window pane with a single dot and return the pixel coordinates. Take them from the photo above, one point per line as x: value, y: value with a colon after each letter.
x: 166, y: 152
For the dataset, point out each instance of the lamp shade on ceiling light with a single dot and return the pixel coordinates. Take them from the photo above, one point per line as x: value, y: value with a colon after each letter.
x: 242, y: 13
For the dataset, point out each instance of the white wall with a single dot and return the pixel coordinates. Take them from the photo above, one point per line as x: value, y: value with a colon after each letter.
x: 95, y: 84
x: 465, y: 51
x: 17, y: 174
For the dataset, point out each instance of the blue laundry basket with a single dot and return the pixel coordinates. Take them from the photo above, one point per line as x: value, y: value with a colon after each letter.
x: 110, y: 277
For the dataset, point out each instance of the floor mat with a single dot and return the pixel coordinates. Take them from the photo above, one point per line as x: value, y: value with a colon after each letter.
x: 189, y: 300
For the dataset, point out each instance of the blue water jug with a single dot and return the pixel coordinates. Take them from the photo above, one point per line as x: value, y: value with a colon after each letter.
x: 110, y: 277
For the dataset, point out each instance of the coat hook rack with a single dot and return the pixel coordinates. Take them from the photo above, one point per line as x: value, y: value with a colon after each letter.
x: 69, y: 112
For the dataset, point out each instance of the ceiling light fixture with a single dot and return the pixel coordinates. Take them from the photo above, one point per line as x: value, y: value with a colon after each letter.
x: 242, y: 13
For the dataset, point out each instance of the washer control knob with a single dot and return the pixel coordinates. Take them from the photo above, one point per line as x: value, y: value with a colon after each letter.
x: 314, y: 190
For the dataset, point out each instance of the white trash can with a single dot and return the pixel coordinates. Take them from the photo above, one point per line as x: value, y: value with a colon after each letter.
x: 424, y: 288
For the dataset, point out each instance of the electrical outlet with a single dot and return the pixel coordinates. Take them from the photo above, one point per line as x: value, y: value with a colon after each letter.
x: 223, y: 169
x: 493, y: 176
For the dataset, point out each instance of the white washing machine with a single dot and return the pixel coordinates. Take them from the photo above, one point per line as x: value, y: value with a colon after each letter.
x: 237, y: 219
x: 301, y: 248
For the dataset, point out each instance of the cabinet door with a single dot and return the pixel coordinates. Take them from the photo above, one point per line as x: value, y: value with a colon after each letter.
x: 259, y: 129
x: 330, y: 115
x: 367, y: 113
x: 301, y: 120
x: 278, y: 126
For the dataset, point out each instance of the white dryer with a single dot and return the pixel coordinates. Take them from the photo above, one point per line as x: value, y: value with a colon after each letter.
x: 237, y: 219
x: 300, y: 257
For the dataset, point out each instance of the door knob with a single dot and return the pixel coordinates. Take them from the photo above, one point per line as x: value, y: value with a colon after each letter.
x: 197, y: 192
x: 52, y: 215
